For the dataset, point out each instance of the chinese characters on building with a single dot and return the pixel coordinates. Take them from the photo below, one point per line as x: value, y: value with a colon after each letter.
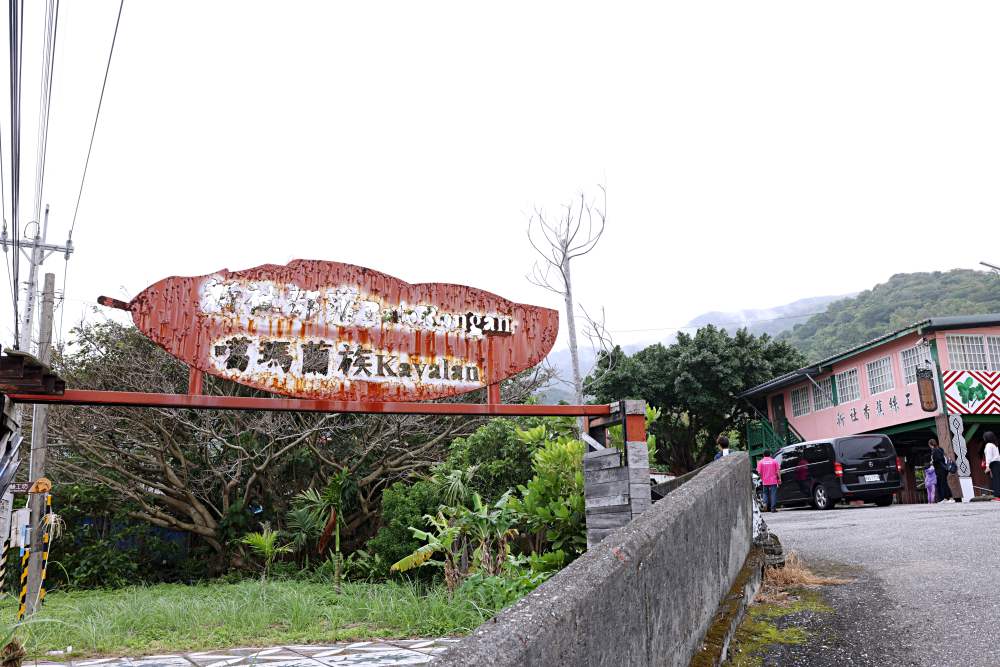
x: 871, y: 409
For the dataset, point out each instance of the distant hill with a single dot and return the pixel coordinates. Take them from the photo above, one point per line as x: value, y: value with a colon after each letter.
x: 771, y: 321
x: 906, y: 298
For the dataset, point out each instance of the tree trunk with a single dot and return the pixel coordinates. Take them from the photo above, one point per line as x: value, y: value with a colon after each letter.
x: 574, y: 352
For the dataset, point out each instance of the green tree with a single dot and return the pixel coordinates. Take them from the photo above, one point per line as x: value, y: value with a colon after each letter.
x: 904, y: 299
x: 694, y: 382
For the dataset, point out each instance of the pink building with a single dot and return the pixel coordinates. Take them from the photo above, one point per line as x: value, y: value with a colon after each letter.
x: 873, y: 388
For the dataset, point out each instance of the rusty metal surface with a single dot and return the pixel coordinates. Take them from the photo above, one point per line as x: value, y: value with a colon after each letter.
x: 205, y: 402
x: 317, y: 329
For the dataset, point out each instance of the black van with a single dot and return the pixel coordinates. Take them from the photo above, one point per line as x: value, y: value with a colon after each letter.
x: 823, y: 472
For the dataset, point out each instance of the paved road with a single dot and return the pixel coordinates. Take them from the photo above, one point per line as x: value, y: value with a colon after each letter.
x: 926, y: 587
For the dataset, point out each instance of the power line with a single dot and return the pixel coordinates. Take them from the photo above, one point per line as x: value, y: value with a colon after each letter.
x: 45, y: 99
x: 93, y: 132
x: 15, y: 26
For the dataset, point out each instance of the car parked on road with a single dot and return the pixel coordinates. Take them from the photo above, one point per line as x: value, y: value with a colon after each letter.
x: 823, y: 472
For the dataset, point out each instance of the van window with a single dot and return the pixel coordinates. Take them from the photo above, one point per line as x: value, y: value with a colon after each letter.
x: 790, y: 457
x: 864, y: 447
x: 818, y: 453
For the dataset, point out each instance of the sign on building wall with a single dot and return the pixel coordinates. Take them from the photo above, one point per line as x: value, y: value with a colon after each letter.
x: 972, y: 392
x: 317, y: 329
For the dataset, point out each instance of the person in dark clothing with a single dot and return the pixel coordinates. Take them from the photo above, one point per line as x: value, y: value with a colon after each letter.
x: 991, y: 455
x: 941, y: 470
x: 722, y: 445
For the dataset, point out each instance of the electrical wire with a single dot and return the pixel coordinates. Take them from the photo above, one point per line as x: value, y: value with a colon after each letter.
x: 15, y: 25
x: 93, y: 132
x: 45, y: 99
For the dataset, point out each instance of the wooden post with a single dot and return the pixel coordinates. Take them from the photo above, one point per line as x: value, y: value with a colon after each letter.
x: 39, y: 449
x: 637, y: 457
x: 616, y: 484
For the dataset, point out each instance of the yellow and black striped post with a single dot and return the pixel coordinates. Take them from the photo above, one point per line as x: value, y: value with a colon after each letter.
x: 46, y: 527
x: 23, y: 597
x: 45, y: 542
x: 4, y: 548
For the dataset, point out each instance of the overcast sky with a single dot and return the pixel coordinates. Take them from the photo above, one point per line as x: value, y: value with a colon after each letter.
x: 753, y: 153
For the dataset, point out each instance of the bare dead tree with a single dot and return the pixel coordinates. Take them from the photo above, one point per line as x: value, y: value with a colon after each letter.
x: 574, y: 233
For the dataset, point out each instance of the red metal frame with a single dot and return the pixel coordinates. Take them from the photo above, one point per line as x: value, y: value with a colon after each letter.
x: 203, y: 402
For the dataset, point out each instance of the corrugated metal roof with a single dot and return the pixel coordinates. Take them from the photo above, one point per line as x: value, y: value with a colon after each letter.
x: 930, y: 324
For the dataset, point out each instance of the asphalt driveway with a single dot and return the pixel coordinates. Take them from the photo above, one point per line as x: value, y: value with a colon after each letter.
x: 925, y: 584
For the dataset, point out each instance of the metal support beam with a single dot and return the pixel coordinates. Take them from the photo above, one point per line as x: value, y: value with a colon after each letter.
x: 194, y: 401
x: 195, y: 380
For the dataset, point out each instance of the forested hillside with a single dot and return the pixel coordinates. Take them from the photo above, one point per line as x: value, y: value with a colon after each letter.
x: 906, y: 298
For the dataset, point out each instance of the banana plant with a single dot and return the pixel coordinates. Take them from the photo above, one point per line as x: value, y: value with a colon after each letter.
x: 444, y: 538
x: 489, y: 528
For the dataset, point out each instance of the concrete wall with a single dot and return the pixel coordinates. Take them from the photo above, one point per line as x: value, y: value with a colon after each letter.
x: 645, y: 595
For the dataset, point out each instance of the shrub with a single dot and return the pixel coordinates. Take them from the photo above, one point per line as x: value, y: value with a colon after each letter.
x: 403, y: 505
x: 103, y: 547
x: 501, y: 460
x: 552, y: 502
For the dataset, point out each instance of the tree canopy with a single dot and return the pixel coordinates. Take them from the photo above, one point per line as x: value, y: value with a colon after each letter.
x: 694, y: 382
x: 906, y: 298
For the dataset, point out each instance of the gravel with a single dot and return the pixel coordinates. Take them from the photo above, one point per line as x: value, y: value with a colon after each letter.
x: 925, y: 589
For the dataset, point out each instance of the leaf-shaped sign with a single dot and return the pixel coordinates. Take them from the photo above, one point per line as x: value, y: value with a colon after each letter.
x: 320, y: 329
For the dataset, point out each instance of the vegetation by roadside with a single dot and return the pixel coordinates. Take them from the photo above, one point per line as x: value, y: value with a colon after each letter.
x: 786, y: 592
x: 174, y: 617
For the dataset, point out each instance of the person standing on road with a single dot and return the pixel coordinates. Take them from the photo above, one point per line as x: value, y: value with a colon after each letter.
x: 992, y: 454
x: 767, y: 468
x: 722, y: 444
x: 930, y: 483
x: 941, y: 471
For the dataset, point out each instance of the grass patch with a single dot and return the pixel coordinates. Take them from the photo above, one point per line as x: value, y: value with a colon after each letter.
x: 786, y: 591
x: 174, y: 617
x: 796, y: 574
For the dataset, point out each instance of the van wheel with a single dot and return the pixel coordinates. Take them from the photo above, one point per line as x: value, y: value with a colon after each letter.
x: 821, y: 500
x: 884, y: 501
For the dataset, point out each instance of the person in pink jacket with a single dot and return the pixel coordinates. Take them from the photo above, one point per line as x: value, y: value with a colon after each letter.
x: 767, y: 468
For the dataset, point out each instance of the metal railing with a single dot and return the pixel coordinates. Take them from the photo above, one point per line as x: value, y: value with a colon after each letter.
x: 762, y: 437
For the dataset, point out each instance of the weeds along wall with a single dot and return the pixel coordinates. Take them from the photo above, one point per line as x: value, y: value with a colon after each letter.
x: 645, y: 595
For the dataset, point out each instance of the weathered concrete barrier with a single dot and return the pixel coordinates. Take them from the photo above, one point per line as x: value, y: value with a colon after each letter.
x: 645, y: 595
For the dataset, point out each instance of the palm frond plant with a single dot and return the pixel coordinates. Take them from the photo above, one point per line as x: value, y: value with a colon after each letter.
x: 304, y: 527
x: 328, y: 508
x: 265, y: 546
x: 455, y: 485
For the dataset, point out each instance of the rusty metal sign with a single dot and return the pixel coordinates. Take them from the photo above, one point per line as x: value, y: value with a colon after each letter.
x: 317, y: 329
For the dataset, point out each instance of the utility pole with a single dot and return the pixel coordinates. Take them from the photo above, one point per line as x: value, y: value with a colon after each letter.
x: 36, y: 251
x: 39, y: 448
